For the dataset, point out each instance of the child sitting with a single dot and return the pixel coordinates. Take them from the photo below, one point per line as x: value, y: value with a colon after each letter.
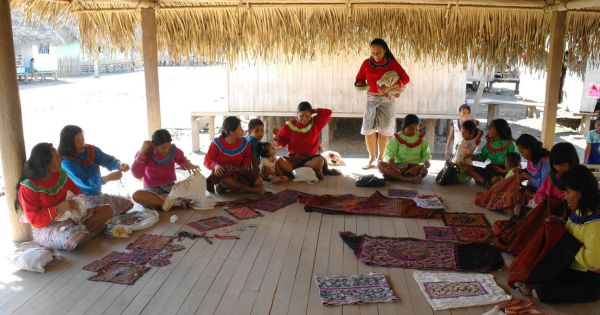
x: 268, y: 170
x: 512, y: 163
x: 256, y: 132
x: 407, y: 154
x: 155, y: 165
x: 592, y: 150
x: 471, y: 137
x: 499, y: 143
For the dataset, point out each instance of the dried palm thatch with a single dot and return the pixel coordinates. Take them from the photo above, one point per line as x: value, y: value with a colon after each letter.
x: 25, y: 35
x: 225, y: 32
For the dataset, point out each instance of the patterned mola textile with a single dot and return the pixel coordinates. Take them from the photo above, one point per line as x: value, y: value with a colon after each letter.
x: 423, y: 254
x: 377, y: 204
x: 512, y: 236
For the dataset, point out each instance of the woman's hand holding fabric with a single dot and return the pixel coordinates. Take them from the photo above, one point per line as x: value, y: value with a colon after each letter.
x: 65, y: 205
x: 219, y: 170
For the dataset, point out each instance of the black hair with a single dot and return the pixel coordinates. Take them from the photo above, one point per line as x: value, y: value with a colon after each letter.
x: 263, y: 149
x: 304, y: 107
x: 535, y: 146
x: 161, y: 136
x: 513, y: 159
x: 409, y: 120
x: 581, y: 179
x: 36, y: 167
x: 381, y: 43
x: 470, y: 126
x: 563, y: 152
x: 66, y: 146
x: 253, y: 123
x: 502, y: 128
x: 464, y: 106
x: 230, y: 124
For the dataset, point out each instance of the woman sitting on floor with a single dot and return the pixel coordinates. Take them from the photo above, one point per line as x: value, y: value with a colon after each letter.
x: 499, y: 142
x: 563, y: 157
x: 82, y: 162
x: 538, y: 168
x: 407, y: 154
x: 42, y: 195
x: 301, y: 136
x: 155, y: 165
x: 570, y: 271
x: 229, y: 158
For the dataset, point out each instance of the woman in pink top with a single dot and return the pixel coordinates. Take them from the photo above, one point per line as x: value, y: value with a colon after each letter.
x: 155, y: 165
x: 562, y: 158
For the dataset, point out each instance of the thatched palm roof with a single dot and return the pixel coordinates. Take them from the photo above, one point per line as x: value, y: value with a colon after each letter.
x: 25, y: 35
x: 496, y: 32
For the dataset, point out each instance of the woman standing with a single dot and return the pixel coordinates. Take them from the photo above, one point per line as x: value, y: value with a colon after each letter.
x: 379, y: 118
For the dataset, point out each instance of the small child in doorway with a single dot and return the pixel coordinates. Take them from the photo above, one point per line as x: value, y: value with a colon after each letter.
x: 512, y: 163
x: 592, y: 150
x: 471, y: 137
x: 268, y: 158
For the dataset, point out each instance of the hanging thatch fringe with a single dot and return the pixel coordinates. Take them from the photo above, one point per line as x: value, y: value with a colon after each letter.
x: 493, y: 36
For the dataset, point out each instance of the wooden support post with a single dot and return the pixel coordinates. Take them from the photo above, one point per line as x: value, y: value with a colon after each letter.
x: 492, y: 113
x: 325, y: 137
x: 150, y: 50
x: 269, y: 124
x: 430, y: 134
x: 555, y: 60
x: 195, y: 134
x: 211, y: 128
x: 12, y: 143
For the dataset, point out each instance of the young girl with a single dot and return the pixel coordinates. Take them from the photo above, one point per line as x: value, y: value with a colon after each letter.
x: 42, y: 195
x: 512, y: 164
x: 268, y: 169
x: 538, y: 161
x: 592, y: 149
x: 563, y: 157
x: 499, y: 143
x: 570, y: 273
x: 82, y: 162
x: 455, y: 133
x: 155, y: 165
x: 471, y: 137
x: 407, y: 154
x: 229, y: 157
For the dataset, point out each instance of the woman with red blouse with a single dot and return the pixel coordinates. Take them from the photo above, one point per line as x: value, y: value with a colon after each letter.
x: 43, y: 191
x: 379, y: 121
x: 229, y: 157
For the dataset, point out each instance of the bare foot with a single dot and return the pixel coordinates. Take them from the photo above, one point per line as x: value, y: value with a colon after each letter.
x: 414, y: 179
x: 277, y: 179
x: 370, y: 165
x: 523, y: 289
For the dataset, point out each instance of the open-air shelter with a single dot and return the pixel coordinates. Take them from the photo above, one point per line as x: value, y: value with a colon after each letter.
x: 528, y: 32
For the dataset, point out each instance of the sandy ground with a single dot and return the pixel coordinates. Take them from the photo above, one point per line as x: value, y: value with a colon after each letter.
x: 111, y: 111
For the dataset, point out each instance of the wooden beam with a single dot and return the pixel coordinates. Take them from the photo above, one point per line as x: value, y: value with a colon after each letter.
x: 12, y: 143
x: 150, y: 50
x: 573, y: 5
x: 555, y: 61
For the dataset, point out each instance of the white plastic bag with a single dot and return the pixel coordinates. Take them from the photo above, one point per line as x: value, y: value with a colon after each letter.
x: 34, y: 259
x: 305, y: 174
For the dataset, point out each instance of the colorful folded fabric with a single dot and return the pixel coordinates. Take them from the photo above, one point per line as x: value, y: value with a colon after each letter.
x: 362, y: 288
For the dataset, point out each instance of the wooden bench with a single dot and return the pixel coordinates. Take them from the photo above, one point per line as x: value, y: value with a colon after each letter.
x: 493, y: 107
x: 326, y: 135
x: 586, y: 121
x: 516, y: 81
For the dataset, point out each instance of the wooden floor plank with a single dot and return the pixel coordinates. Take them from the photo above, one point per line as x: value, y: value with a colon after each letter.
x: 269, y: 271
x: 234, y: 289
x: 320, y: 265
x: 286, y: 279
